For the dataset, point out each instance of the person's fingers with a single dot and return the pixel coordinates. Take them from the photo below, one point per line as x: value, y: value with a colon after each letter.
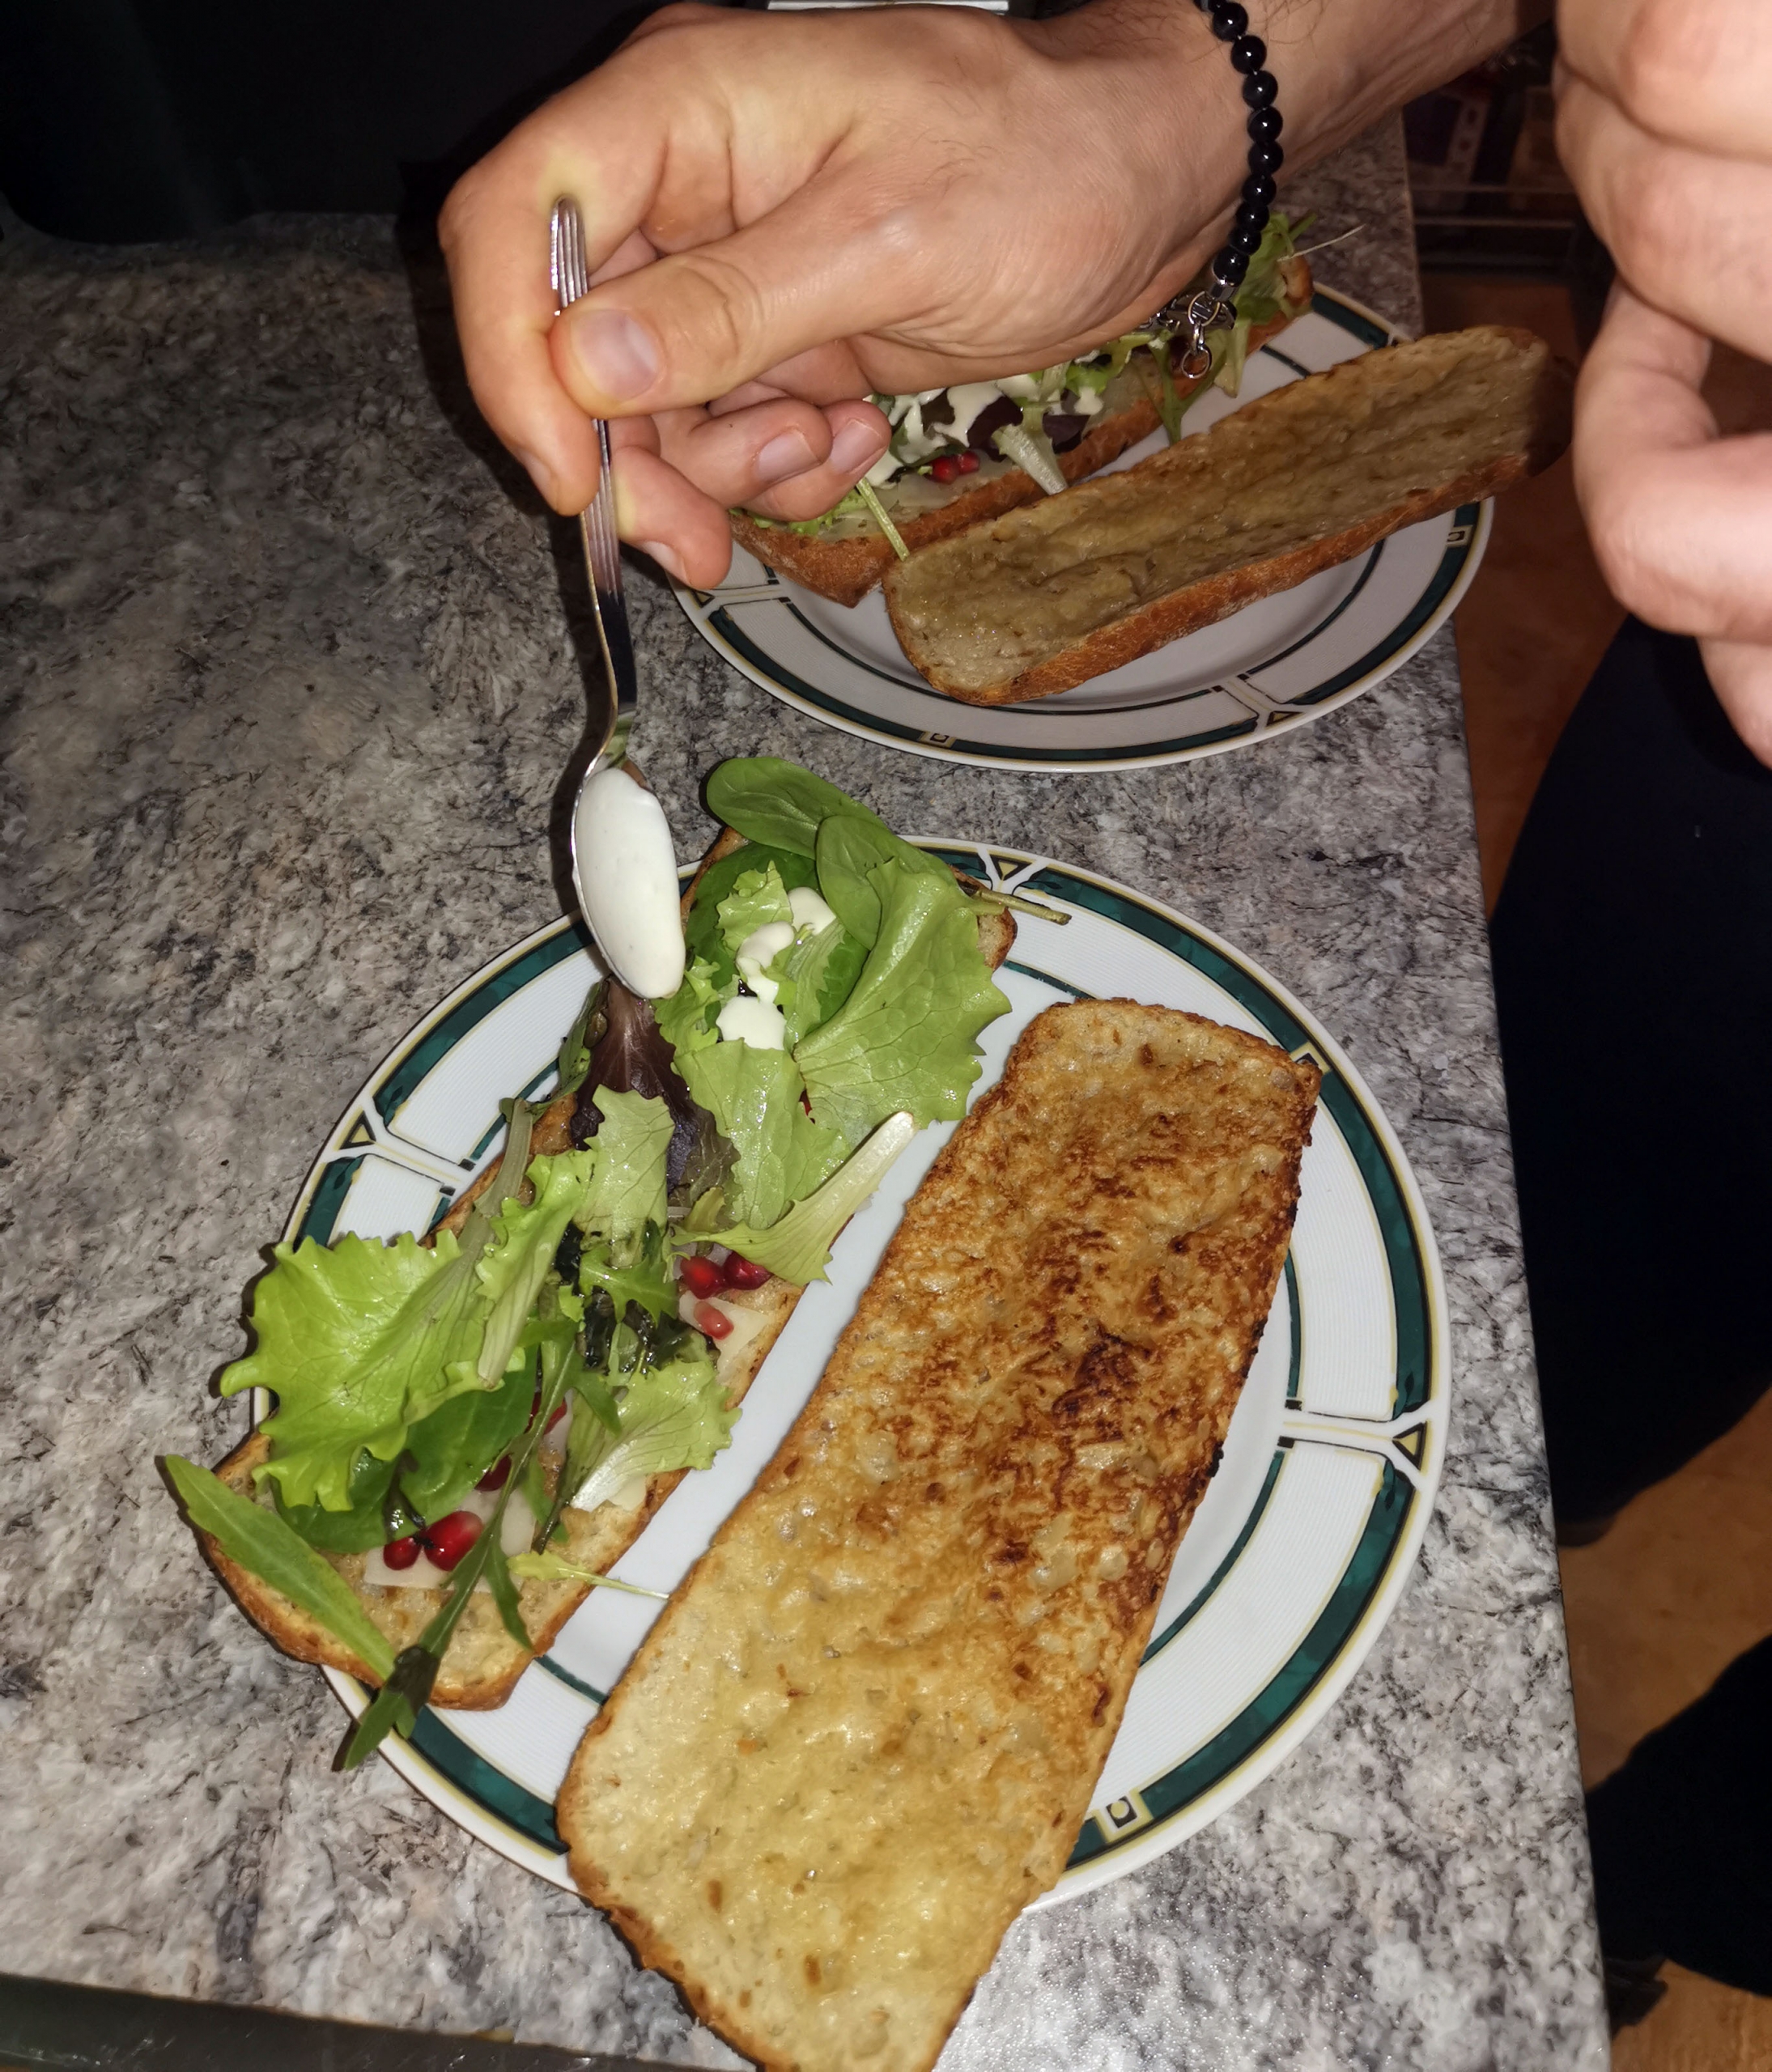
x: 498, y: 261
x: 1700, y: 75
x: 736, y: 458
x: 1681, y: 520
x: 1691, y: 233
x: 635, y: 251
x: 660, y: 513
x: 1741, y: 673
x: 827, y: 374
x: 858, y: 437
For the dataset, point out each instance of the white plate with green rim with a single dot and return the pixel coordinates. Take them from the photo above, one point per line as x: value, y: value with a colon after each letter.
x: 1306, y: 1537
x: 1276, y: 663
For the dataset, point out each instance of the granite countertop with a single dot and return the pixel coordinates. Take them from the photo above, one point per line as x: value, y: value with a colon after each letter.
x: 288, y: 689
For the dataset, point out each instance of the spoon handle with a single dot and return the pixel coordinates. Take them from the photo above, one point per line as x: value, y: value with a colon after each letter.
x: 597, y: 525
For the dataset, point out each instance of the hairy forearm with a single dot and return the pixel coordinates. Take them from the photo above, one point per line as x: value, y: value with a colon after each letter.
x: 1341, y: 65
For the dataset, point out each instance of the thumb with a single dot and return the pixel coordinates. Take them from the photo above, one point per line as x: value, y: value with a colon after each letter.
x: 698, y: 324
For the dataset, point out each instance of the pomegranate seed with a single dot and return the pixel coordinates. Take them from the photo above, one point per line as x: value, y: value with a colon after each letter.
x: 744, y: 1273
x: 700, y: 1274
x: 713, y: 1320
x: 497, y: 1474
x: 401, y: 1553
x: 969, y: 462
x: 449, y: 1539
x: 946, y: 469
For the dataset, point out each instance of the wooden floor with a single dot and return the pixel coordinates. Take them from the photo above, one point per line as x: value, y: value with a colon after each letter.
x: 1683, y: 1582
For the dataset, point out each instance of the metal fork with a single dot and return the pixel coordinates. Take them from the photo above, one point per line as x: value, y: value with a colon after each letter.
x: 597, y: 529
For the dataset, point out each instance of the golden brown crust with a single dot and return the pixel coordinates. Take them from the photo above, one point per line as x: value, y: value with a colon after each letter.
x: 482, y: 1663
x: 845, y: 569
x: 864, y: 1732
x: 1206, y: 498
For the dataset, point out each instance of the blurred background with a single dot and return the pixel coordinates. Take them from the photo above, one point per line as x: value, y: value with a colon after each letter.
x: 1660, y: 1605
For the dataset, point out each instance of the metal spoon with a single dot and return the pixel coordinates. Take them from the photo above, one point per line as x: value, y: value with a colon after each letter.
x: 613, y: 869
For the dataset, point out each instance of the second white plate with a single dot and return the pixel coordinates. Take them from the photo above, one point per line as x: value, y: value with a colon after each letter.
x: 1280, y: 661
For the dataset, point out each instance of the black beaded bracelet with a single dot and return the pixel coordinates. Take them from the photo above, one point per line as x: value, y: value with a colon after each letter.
x: 1211, y: 308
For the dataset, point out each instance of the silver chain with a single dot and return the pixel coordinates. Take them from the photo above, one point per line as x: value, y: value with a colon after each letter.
x: 1196, y: 316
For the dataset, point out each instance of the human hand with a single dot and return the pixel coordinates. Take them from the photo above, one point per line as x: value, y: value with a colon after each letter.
x: 942, y: 192
x: 1662, y: 124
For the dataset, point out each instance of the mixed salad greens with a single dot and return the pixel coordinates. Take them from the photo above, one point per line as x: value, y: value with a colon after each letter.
x: 447, y: 1401
x: 1029, y: 419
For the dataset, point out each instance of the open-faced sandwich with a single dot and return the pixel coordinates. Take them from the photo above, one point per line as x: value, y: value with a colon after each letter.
x: 963, y: 454
x: 471, y: 1427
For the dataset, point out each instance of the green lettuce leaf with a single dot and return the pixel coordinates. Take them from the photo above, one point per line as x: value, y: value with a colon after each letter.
x: 906, y: 1038
x: 673, y: 1415
x: 357, y: 1340
x: 260, y: 1541
x: 849, y: 850
x: 686, y: 1019
x: 551, y: 1568
x: 798, y: 1247
x: 626, y: 1188
x: 767, y: 800
x: 701, y: 930
x: 818, y: 976
x: 517, y: 1260
x: 754, y: 1098
x: 647, y: 1280
x: 757, y: 898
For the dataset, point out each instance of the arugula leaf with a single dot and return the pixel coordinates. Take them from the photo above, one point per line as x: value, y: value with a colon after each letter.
x: 849, y: 848
x: 769, y: 801
x: 758, y: 898
x: 798, y: 1246
x: 754, y: 1098
x: 646, y: 1281
x: 626, y: 1189
x: 497, y: 1577
x: 551, y: 1568
x: 357, y: 1341
x: 906, y: 1036
x: 260, y: 1541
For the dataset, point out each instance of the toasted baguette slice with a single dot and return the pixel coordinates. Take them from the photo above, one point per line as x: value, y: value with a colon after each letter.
x: 845, y: 560
x: 1311, y: 475
x: 865, y: 1731
x: 482, y: 1663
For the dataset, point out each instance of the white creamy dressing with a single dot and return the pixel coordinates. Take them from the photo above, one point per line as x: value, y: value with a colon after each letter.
x: 759, y: 950
x: 760, y: 1023
x: 626, y: 866
x: 811, y: 915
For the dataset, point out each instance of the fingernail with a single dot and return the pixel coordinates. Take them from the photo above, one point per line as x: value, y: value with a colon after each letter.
x: 617, y: 354
x: 854, y: 449
x: 664, y: 556
x: 786, y: 454
x: 542, y: 477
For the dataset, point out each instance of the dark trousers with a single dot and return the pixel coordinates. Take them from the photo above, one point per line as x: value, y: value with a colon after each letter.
x: 1633, y: 957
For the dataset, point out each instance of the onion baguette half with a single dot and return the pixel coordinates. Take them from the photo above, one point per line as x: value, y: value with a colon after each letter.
x: 482, y: 1663
x: 1311, y: 475
x: 865, y: 1731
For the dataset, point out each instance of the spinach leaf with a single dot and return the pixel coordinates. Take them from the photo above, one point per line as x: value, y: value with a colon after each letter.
x: 769, y: 801
x: 849, y: 847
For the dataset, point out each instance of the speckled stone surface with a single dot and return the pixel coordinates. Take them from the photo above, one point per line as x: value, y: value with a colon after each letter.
x: 288, y: 688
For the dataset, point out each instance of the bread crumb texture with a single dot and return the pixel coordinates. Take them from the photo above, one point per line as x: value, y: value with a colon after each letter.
x: 866, y: 1731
